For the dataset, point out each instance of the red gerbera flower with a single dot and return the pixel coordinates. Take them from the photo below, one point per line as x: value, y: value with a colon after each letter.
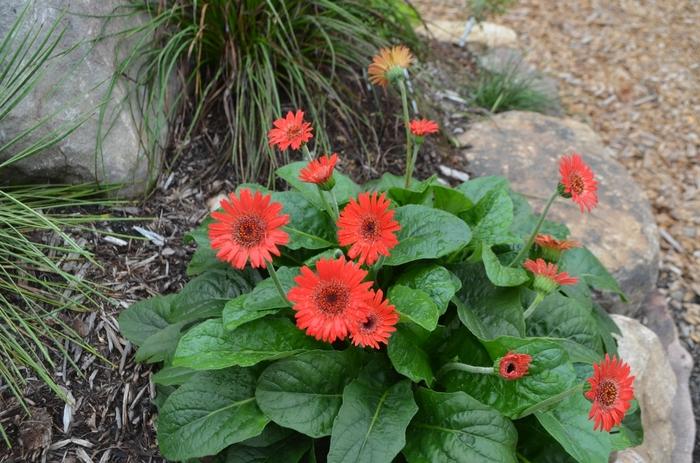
x: 331, y: 301
x: 552, y: 247
x: 611, y: 392
x: 290, y: 131
x: 368, y: 226
x: 514, y: 366
x: 547, y: 275
x: 577, y: 182
x: 319, y: 171
x: 248, y: 229
x: 423, y: 127
x: 377, y: 328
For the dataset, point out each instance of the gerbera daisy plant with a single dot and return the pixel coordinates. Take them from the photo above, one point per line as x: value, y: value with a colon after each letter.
x: 318, y: 313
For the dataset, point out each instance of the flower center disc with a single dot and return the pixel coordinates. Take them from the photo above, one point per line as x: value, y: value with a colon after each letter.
x: 369, y: 229
x: 332, y: 298
x: 577, y: 184
x: 510, y: 368
x: 249, y: 231
x: 293, y: 132
x: 369, y: 324
x: 607, y: 393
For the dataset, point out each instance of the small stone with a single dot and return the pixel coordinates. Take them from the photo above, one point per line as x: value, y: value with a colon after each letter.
x: 485, y: 33
x: 453, y: 173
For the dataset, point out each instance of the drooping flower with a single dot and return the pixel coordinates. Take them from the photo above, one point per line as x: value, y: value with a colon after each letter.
x: 578, y: 182
x: 291, y: 130
x: 552, y: 248
x: 320, y: 171
x: 381, y: 318
x: 422, y: 127
x: 248, y: 229
x: 332, y: 300
x: 547, y: 276
x: 368, y: 227
x: 611, y: 392
x: 514, y: 366
x: 389, y: 64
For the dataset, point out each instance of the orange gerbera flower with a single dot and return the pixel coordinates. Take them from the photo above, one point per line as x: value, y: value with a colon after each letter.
x: 547, y: 276
x: 552, y: 248
x: 290, y: 131
x: 331, y: 301
x: 389, y: 64
x: 368, y: 227
x: 248, y: 229
x: 381, y: 318
x: 611, y: 392
x: 423, y: 127
x: 577, y: 182
x: 514, y: 366
x: 320, y: 171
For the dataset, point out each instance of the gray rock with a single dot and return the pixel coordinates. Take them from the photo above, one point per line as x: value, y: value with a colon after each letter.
x: 72, y: 87
x: 526, y: 147
x: 485, y: 34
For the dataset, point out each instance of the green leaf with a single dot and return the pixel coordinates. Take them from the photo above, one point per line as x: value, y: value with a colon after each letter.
x: 457, y: 428
x: 475, y: 189
x: 491, y: 219
x: 206, y: 295
x: 371, y: 424
x: 499, y: 274
x: 145, y: 318
x: 308, y: 226
x: 265, y: 295
x: 414, y: 306
x: 344, y: 188
x: 630, y: 433
x: 568, y: 423
x: 208, y: 413
x: 549, y: 377
x: 305, y: 392
x: 559, y: 316
x: 160, y: 346
x: 427, y: 233
x: 525, y: 220
x: 173, y: 376
x: 289, y: 450
x: 440, y: 284
x: 487, y: 310
x: 450, y: 200
x: 582, y: 263
x: 408, y: 357
x: 236, y: 313
x: 208, y: 346
x: 393, y: 185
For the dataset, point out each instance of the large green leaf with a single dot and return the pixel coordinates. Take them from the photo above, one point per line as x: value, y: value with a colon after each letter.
x: 568, y: 423
x: 582, y: 263
x: 487, y: 310
x: 344, y: 188
x: 236, y: 313
x: 427, y: 233
x: 414, y: 305
x: 265, y: 296
x: 206, y: 295
x: 492, y: 217
x: 418, y: 192
x: 308, y: 226
x: 499, y: 274
x: 525, y: 220
x: 208, y: 413
x: 160, y: 346
x: 408, y: 357
x: 476, y: 188
x: 305, y: 392
x: 288, y: 450
x: 550, y: 376
x: 450, y: 200
x: 440, y: 284
x: 145, y: 318
x: 371, y: 424
x: 457, y: 428
x: 208, y: 346
x: 204, y: 258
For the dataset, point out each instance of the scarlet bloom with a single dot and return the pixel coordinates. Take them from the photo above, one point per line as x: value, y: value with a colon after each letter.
x: 577, y: 182
x: 248, y: 229
x: 381, y: 318
x: 319, y: 171
x: 389, y: 64
x: 290, y: 131
x: 423, y: 127
x: 332, y: 300
x: 514, y: 366
x: 611, y: 392
x: 368, y: 227
x: 552, y: 248
x: 547, y: 275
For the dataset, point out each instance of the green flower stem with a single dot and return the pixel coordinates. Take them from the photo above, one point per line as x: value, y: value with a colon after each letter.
x: 326, y: 204
x: 412, y: 163
x: 533, y: 305
x: 307, y: 153
x: 525, y: 249
x: 406, y: 122
x: 464, y: 367
x: 335, y: 204
x: 276, y: 280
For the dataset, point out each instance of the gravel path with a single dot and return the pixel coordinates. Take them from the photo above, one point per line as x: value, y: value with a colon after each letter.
x: 630, y: 69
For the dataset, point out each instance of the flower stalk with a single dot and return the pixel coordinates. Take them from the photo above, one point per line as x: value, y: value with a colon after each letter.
x: 525, y: 249
x: 533, y: 305
x: 326, y: 205
x: 273, y: 274
x: 307, y: 153
x: 458, y: 366
x: 409, y: 138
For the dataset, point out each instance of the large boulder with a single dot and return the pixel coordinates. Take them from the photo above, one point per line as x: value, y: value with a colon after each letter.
x: 73, y: 86
x: 525, y: 147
